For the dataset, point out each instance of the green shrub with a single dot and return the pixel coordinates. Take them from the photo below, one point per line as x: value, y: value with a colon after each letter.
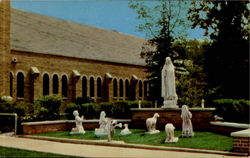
x: 25, y: 111
x: 81, y: 100
x: 6, y: 106
x: 119, y: 109
x: 233, y: 110
x: 70, y: 108
x: 47, y: 107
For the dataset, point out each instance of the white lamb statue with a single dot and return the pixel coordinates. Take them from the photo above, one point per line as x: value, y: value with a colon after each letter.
x: 169, y: 128
x: 125, y: 131
x: 151, y: 124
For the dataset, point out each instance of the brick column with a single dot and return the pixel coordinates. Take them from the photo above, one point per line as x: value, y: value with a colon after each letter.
x: 4, y: 46
x: 241, y: 141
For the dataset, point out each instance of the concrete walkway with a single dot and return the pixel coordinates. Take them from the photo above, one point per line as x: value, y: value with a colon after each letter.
x: 96, y: 150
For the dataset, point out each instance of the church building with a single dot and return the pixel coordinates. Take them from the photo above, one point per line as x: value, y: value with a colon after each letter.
x: 41, y: 55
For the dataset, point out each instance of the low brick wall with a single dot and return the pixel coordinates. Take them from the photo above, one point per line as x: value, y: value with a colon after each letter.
x: 227, y: 128
x: 241, y: 141
x: 61, y: 125
x: 201, y: 118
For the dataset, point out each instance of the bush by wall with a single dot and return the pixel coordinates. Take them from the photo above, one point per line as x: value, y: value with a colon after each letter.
x: 119, y: 109
x: 47, y: 107
x: 233, y: 110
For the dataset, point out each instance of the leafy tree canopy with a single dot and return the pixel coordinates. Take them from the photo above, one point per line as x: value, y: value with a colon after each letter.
x: 227, y: 59
x: 163, y: 22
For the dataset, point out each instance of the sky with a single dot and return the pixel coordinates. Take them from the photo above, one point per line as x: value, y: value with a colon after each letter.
x: 107, y: 14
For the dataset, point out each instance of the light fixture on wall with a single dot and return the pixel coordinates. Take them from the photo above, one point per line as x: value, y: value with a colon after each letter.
x: 14, y: 60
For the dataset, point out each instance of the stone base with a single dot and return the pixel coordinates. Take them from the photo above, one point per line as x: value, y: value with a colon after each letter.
x: 153, y: 132
x: 175, y: 140
x: 100, y: 132
x: 169, y: 104
x: 125, y: 133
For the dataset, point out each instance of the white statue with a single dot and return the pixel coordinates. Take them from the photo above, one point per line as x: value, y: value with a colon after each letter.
x: 202, y: 103
x: 168, y: 89
x: 125, y: 131
x: 139, y: 104
x: 169, y: 129
x: 151, y: 124
x: 111, y: 128
x: 78, y: 120
x: 218, y: 118
x: 187, y: 127
x: 103, y: 121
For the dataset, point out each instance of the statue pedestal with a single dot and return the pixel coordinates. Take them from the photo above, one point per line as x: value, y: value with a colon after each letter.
x: 153, y: 132
x: 175, y: 140
x: 169, y: 104
x: 100, y: 132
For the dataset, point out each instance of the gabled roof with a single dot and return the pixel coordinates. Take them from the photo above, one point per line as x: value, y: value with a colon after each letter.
x: 42, y: 34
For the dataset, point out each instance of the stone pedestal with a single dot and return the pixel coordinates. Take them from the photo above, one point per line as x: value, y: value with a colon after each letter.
x: 153, y: 132
x: 201, y: 117
x: 169, y: 104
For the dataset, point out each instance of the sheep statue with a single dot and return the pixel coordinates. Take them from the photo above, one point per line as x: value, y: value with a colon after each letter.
x: 151, y: 124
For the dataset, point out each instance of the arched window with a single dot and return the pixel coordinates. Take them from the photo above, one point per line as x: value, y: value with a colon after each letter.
x: 64, y: 86
x: 145, y: 89
x: 84, y: 87
x: 99, y: 87
x: 11, y: 84
x: 92, y: 87
x: 55, y: 84
x: 140, y: 88
x: 127, y: 88
x: 115, y: 88
x: 45, y: 84
x: 121, y: 87
x: 20, y: 85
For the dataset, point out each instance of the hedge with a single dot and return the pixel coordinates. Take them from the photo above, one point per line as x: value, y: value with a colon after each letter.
x: 233, y: 110
x: 119, y: 109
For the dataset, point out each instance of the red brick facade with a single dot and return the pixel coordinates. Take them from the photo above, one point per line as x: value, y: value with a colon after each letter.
x: 241, y: 144
x: 27, y: 75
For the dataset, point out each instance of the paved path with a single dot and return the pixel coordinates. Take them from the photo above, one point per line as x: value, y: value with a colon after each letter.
x: 96, y: 150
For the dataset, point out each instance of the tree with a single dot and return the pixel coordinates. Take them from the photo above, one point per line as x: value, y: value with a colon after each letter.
x: 227, y: 59
x: 162, y: 23
x: 190, y: 72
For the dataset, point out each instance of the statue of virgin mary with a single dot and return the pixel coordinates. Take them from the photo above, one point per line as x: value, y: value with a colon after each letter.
x: 168, y: 89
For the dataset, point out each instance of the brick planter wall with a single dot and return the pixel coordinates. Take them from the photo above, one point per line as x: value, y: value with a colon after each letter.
x: 61, y: 125
x: 241, y: 141
x: 201, y: 118
x: 227, y: 128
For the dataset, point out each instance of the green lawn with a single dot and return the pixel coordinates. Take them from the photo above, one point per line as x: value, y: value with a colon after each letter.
x: 12, y: 152
x: 201, y: 140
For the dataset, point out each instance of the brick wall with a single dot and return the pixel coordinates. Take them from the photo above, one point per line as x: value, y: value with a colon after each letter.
x: 52, y: 64
x: 200, y: 117
x: 241, y: 141
x: 4, y: 45
x: 241, y: 144
x: 54, y: 126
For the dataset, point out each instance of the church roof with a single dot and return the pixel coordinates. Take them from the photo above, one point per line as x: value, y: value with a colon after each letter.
x: 42, y: 34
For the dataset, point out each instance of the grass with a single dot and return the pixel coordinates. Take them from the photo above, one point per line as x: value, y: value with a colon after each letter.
x: 201, y: 140
x: 13, y: 152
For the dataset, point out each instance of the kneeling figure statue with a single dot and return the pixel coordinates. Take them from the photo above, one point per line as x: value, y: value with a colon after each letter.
x: 78, y: 120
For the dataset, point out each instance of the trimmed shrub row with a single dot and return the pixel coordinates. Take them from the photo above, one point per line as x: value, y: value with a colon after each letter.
x: 119, y: 109
x: 233, y: 110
